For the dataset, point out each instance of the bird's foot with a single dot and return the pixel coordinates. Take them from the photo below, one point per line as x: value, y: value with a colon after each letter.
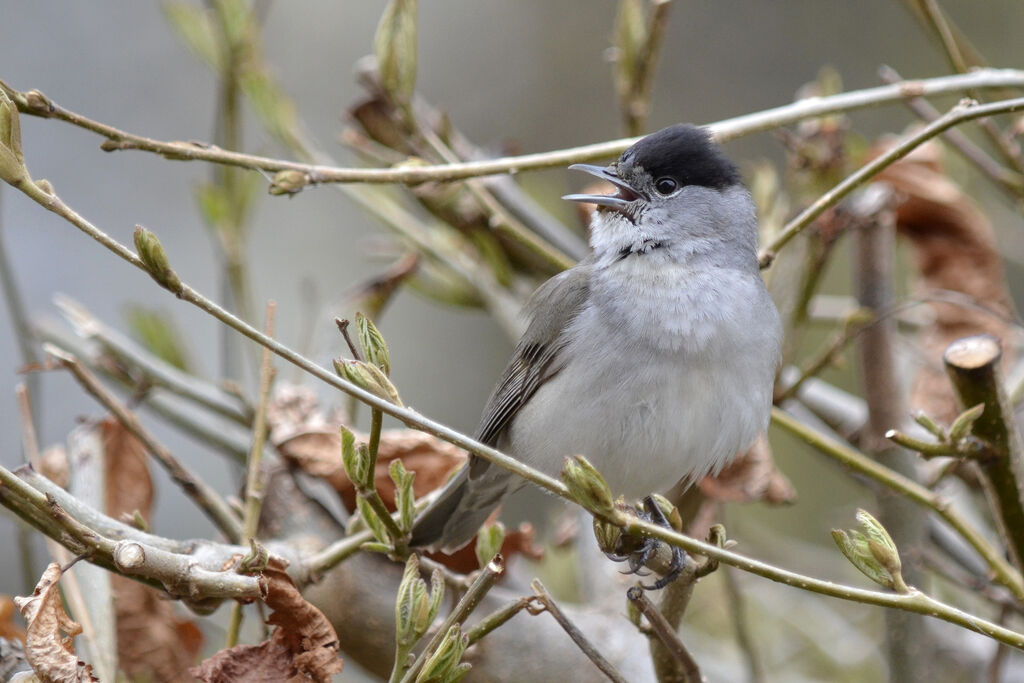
x: 637, y: 552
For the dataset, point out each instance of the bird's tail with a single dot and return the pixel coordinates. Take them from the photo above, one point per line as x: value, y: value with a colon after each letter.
x: 452, y: 520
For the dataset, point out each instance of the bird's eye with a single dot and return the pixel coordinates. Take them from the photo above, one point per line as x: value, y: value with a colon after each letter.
x: 666, y: 185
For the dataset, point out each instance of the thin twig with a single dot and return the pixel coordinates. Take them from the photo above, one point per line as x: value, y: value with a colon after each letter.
x: 1008, y: 180
x: 336, y: 553
x: 726, y: 129
x: 154, y: 371
x: 687, y: 665
x: 1004, y: 572
x: 415, y: 420
x: 469, y: 602
x: 194, y: 487
x: 30, y: 451
x: 544, y: 599
x: 938, y: 21
x: 497, y: 618
x: 964, y: 111
x: 908, y: 644
x: 255, y: 482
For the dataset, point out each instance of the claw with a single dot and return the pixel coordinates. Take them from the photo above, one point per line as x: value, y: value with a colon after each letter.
x: 638, y: 555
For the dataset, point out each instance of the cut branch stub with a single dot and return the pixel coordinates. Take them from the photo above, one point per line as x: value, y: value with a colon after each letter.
x: 972, y: 364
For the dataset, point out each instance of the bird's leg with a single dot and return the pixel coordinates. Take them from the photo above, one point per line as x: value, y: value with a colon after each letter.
x: 636, y: 552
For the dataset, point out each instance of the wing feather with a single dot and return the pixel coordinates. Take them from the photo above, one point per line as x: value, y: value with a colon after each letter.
x: 537, y: 357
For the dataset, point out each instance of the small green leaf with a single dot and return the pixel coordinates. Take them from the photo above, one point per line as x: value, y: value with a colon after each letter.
x: 488, y: 542
x: 963, y: 423
x: 373, y: 522
x: 405, y: 499
x: 445, y: 660
x: 368, y: 377
x: 153, y: 257
x: 374, y: 347
x: 587, y: 486
x: 395, y: 46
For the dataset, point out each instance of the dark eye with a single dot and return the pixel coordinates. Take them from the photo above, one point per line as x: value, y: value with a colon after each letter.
x: 666, y: 185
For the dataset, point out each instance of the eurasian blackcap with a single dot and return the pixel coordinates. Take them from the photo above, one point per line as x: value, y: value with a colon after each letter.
x: 654, y: 357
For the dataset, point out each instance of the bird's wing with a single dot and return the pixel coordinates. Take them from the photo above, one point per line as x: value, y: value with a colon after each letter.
x: 537, y: 357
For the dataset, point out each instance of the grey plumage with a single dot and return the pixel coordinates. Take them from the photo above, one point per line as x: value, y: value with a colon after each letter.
x: 654, y: 357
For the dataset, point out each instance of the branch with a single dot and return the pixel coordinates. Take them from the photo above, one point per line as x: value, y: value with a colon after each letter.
x: 1004, y: 572
x: 542, y: 597
x: 908, y: 644
x: 666, y: 635
x: 194, y: 487
x: 477, y: 590
x: 913, y: 602
x: 972, y: 364
x: 35, y: 103
x: 192, y: 570
x: 965, y: 111
x: 1010, y: 181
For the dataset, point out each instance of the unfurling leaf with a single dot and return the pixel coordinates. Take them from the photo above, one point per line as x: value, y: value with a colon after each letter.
x: 369, y: 377
x: 873, y: 552
x: 444, y: 663
x: 374, y: 347
x: 12, y: 164
x: 288, y: 182
x: 405, y: 500
x: 356, y: 459
x: 587, y: 486
x: 488, y: 542
x: 155, y: 260
x: 963, y: 423
x: 394, y: 46
x: 373, y: 522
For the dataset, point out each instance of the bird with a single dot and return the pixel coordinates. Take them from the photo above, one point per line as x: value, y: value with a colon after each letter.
x: 654, y: 357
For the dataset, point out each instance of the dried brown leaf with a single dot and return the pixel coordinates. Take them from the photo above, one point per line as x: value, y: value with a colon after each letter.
x: 955, y: 248
x: 318, y: 452
x: 518, y: 541
x: 9, y: 629
x: 54, y: 465
x: 303, y: 647
x: 50, y: 639
x: 750, y: 478
x: 153, y: 643
x: 295, y: 410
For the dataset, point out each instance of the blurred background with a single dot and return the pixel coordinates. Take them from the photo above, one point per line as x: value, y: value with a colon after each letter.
x: 524, y: 76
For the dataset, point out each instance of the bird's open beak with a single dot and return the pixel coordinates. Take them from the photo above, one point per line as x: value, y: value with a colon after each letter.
x: 619, y: 201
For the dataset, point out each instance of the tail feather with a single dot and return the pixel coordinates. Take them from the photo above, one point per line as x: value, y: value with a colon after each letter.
x: 457, y: 514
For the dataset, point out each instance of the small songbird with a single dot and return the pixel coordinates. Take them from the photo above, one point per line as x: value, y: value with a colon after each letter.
x: 654, y: 357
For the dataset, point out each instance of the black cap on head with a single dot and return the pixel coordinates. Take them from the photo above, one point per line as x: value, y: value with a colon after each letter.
x: 686, y: 153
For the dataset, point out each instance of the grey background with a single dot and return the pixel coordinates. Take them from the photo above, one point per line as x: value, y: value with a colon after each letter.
x: 529, y: 72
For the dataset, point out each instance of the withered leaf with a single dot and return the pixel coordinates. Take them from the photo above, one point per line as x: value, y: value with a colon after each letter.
x: 955, y: 248
x: 303, y: 647
x: 8, y: 629
x: 318, y: 452
x: 153, y: 642
x: 750, y: 478
x: 519, y: 541
x: 50, y: 639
